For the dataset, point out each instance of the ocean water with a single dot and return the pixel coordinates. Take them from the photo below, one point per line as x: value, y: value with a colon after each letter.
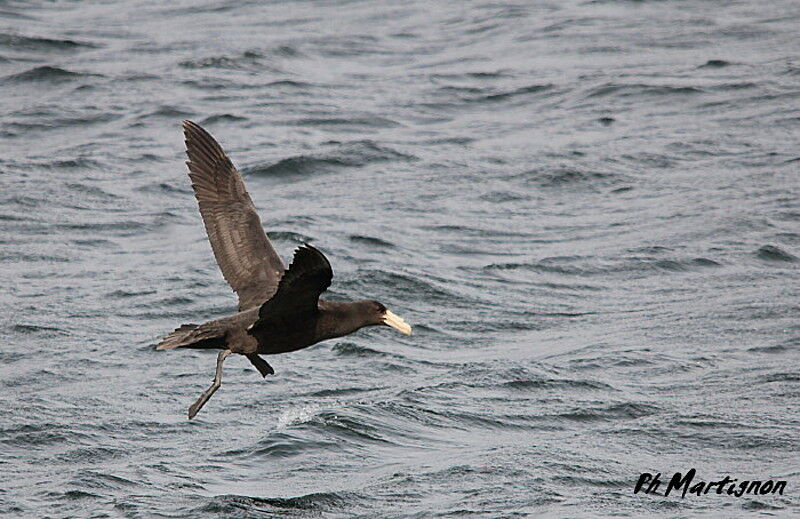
x: 588, y: 210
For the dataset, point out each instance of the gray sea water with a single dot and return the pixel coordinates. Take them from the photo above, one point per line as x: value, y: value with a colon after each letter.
x: 587, y: 209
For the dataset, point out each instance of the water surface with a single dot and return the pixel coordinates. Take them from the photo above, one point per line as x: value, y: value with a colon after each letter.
x: 587, y: 209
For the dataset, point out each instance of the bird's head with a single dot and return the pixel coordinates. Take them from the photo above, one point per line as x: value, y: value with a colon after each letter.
x: 379, y: 314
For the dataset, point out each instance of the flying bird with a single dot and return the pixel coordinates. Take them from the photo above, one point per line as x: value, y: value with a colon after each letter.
x: 280, y: 309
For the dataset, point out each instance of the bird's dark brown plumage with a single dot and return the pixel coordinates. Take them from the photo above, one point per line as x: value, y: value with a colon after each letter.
x: 280, y: 309
x: 244, y: 254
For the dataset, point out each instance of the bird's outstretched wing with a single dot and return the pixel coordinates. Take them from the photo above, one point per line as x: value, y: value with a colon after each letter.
x: 245, y: 255
x: 298, y: 292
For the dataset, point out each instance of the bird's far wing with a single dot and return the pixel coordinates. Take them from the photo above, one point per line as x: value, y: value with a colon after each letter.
x: 244, y: 253
x: 298, y: 292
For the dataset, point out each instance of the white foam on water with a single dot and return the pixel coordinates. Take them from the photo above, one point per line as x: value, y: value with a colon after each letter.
x: 297, y: 414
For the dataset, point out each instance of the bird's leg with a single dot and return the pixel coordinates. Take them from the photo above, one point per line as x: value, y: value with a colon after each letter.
x: 195, y: 407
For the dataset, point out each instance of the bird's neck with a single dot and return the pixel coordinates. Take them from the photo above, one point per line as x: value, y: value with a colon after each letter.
x: 339, y: 318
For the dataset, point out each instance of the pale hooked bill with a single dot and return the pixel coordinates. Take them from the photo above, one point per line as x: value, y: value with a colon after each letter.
x: 396, y: 322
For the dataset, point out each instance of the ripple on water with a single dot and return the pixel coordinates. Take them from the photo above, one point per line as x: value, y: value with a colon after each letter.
x: 371, y: 241
x: 782, y: 347
x: 222, y: 118
x: 181, y: 189
x: 614, y: 412
x: 167, y: 112
x: 35, y: 436
x: 101, y: 480
x: 516, y: 93
x: 234, y: 505
x: 249, y: 60
x: 281, y: 444
x: 455, y: 96
x: 573, y: 178
x: 775, y: 254
x: 349, y: 349
x: 47, y: 331
x: 716, y: 63
x: 343, y: 155
x: 47, y: 74
x: 347, y: 425
x: 401, y: 283
x: 552, y: 383
x: 289, y: 237
x: 31, y: 43
x: 586, y: 266
x: 365, y: 121
x: 642, y: 90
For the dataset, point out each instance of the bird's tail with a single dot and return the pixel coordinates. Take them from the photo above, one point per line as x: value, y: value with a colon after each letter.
x: 193, y: 336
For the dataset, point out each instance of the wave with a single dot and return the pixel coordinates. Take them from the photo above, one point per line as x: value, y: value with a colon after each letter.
x: 290, y: 83
x: 372, y: 121
x: 775, y: 254
x: 21, y: 257
x: 234, y: 505
x: 564, y: 177
x: 782, y: 347
x: 592, y: 266
x: 223, y: 118
x: 368, y: 280
x: 289, y: 237
x: 47, y: 74
x: 517, y: 92
x: 169, y: 112
x: 280, y: 444
x: 31, y: 329
x: 165, y: 188
x: 346, y: 155
x: 640, y: 89
x: 349, y: 349
x: 344, y: 424
x: 716, y: 63
x: 613, y: 412
x: 23, y: 127
x: 555, y: 383
x: 250, y: 60
x: 33, y: 43
x: 297, y: 415
x: 371, y: 241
